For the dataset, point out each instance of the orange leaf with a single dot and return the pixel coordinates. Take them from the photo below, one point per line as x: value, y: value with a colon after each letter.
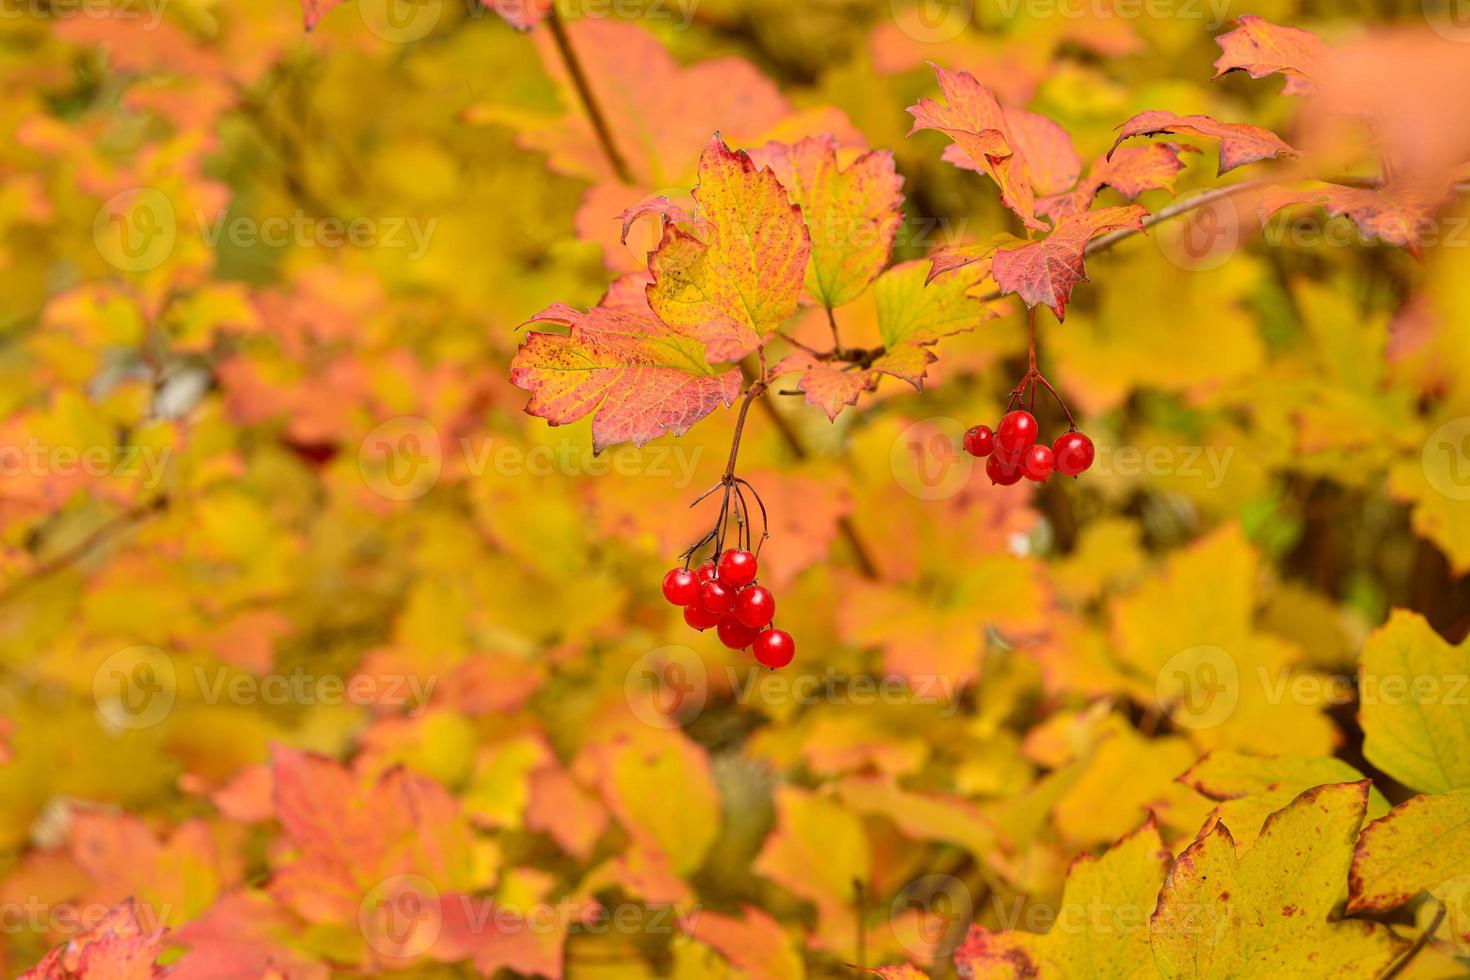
x: 1240, y: 143
x: 1046, y: 271
x: 1401, y: 214
x: 637, y: 377
x: 1130, y: 171
x: 1262, y: 48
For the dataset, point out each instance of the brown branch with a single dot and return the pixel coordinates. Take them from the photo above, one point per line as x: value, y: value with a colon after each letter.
x: 1419, y: 944
x: 589, y: 100
x: 82, y: 548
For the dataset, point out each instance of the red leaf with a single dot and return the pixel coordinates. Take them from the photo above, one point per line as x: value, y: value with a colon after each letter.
x: 116, y: 948
x: 1262, y: 48
x: 1401, y: 214
x: 997, y: 140
x: 1044, y: 272
x: 1130, y: 171
x: 521, y: 14
x: 824, y: 383
x: 1240, y: 143
x: 637, y: 377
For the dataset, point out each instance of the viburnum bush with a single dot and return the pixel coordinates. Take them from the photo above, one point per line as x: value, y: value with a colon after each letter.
x: 325, y: 655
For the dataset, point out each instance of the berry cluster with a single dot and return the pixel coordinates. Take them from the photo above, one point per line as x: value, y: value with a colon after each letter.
x: 723, y: 593
x: 1014, y: 452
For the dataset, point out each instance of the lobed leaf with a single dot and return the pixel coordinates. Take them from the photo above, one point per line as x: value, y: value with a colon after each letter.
x: 1419, y: 845
x: 1240, y: 143
x: 1130, y: 171
x: 1046, y: 271
x: 1262, y: 48
x: 635, y: 376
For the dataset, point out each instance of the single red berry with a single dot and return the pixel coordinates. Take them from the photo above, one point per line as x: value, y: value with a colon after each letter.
x: 681, y: 587
x: 735, y: 634
x: 1017, y: 434
x: 715, y: 597
x: 979, y: 441
x: 696, y: 616
x: 706, y: 572
x: 737, y: 569
x: 755, y: 606
x: 1039, y: 464
x: 1002, y: 473
x: 1074, y: 453
x: 774, y: 648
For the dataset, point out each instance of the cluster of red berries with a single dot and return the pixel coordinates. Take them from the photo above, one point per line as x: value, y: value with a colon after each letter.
x: 1014, y: 452
x: 723, y: 594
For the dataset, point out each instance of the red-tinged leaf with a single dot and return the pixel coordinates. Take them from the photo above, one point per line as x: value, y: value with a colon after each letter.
x: 1400, y: 214
x: 730, y: 288
x: 635, y: 376
x: 905, y: 971
x: 974, y: 119
x: 1421, y: 844
x: 313, y: 11
x: 243, y: 936
x: 1046, y: 271
x: 118, y: 947
x: 1240, y: 143
x: 830, y: 386
x: 1262, y: 48
x: 562, y: 809
x: 660, y: 207
x: 755, y: 943
x: 521, y: 14
x: 1047, y: 149
x: 915, y: 313
x: 1130, y: 170
x: 952, y: 257
x: 852, y: 214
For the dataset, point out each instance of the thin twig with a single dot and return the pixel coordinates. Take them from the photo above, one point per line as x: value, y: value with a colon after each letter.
x: 1419, y: 944
x: 589, y: 100
x: 84, y: 547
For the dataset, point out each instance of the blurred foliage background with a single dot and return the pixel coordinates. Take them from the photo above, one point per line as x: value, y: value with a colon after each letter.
x: 268, y: 491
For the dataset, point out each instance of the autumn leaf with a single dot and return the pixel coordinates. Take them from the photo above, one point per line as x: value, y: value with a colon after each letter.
x: 1421, y: 844
x: 1240, y: 143
x: 736, y: 284
x: 312, y: 11
x: 636, y: 377
x: 1269, y: 912
x: 1101, y: 929
x: 831, y: 386
x: 974, y: 119
x: 1262, y: 48
x: 1250, y: 788
x: 522, y: 14
x: 1046, y: 271
x: 1400, y: 214
x: 117, y: 947
x: 1414, y: 726
x: 1129, y: 170
x: 754, y: 943
x: 817, y: 850
x: 851, y: 213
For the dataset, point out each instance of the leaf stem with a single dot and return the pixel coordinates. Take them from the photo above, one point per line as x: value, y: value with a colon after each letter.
x: 1419, y: 944
x: 589, y: 101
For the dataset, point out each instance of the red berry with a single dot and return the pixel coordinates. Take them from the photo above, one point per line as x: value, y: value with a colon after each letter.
x: 715, y: 597
x: 681, y: 587
x: 1017, y: 433
x: 1039, y: 464
x: 1001, y: 472
x: 735, y: 634
x: 774, y: 648
x: 1074, y: 453
x: 979, y: 441
x: 755, y: 606
x: 698, y: 618
x: 737, y: 568
x: 706, y: 572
